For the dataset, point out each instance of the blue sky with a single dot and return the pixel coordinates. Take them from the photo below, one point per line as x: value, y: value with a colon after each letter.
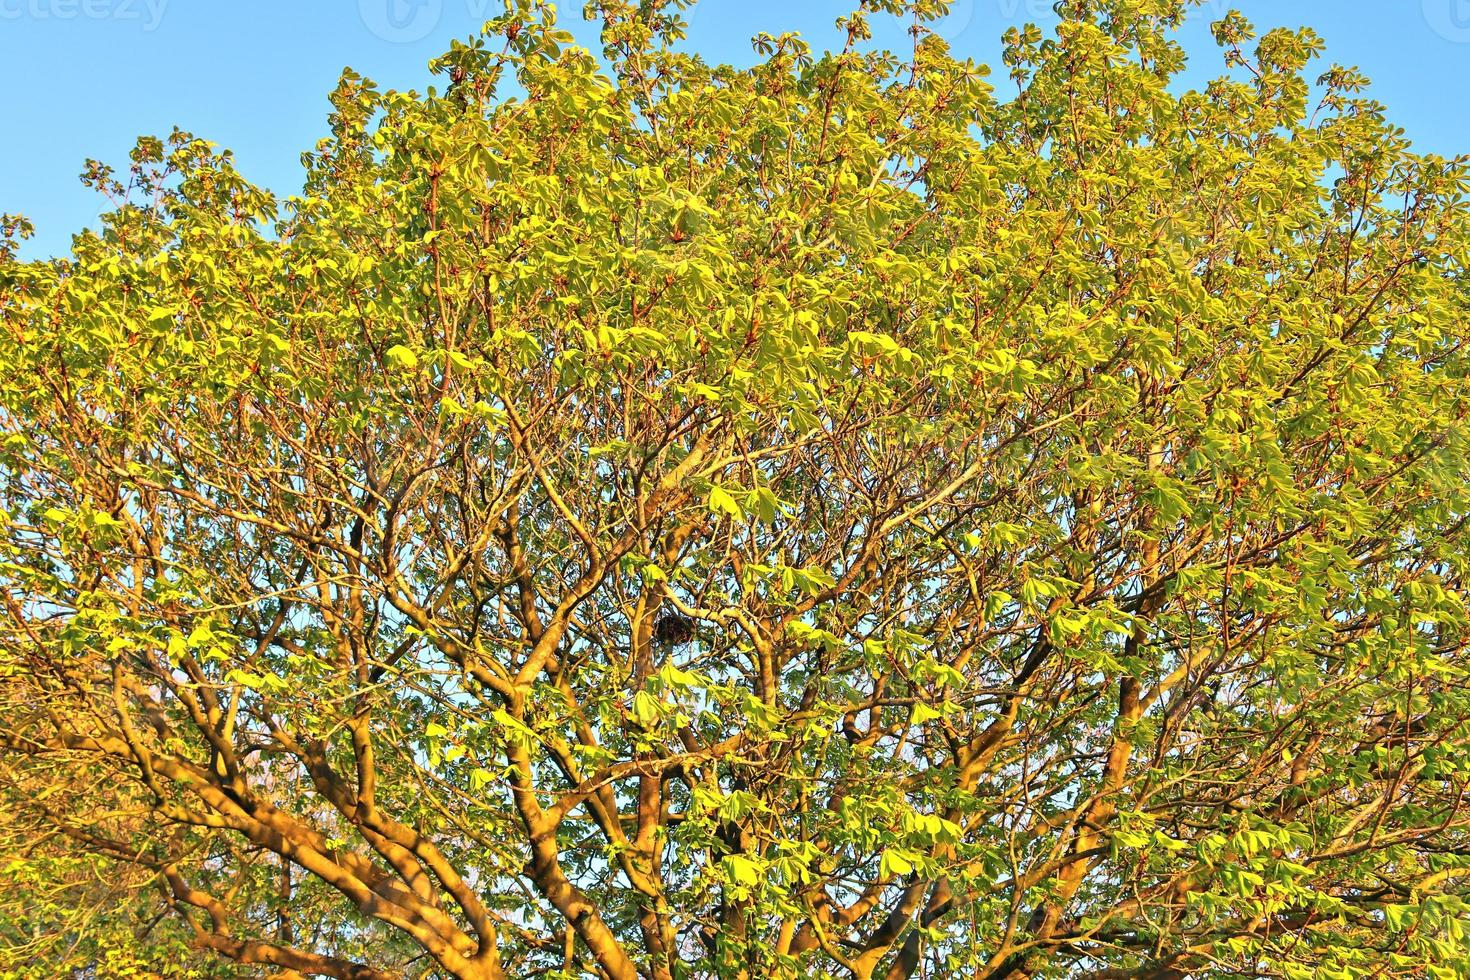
x: 88, y: 76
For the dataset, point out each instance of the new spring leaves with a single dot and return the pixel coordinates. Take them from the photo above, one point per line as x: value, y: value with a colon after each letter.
x: 629, y: 517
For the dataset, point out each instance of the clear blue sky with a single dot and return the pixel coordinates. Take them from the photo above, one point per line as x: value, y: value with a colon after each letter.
x: 86, y: 77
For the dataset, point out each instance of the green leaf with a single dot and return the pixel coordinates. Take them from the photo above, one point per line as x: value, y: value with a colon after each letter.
x: 721, y: 502
x: 742, y: 871
x: 647, y: 709
x: 895, y: 863
x: 925, y: 713
x: 402, y: 357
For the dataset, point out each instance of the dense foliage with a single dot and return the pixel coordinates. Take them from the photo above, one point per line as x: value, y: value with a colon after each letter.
x: 634, y: 518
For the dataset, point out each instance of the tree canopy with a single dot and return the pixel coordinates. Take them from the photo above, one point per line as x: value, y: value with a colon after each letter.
x: 842, y: 518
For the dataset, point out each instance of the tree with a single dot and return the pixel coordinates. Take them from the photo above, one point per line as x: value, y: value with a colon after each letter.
x: 634, y: 518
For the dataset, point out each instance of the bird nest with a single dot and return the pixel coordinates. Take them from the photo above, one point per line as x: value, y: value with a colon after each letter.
x: 674, y: 630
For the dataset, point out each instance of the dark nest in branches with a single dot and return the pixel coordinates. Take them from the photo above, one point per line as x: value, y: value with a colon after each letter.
x: 674, y: 630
